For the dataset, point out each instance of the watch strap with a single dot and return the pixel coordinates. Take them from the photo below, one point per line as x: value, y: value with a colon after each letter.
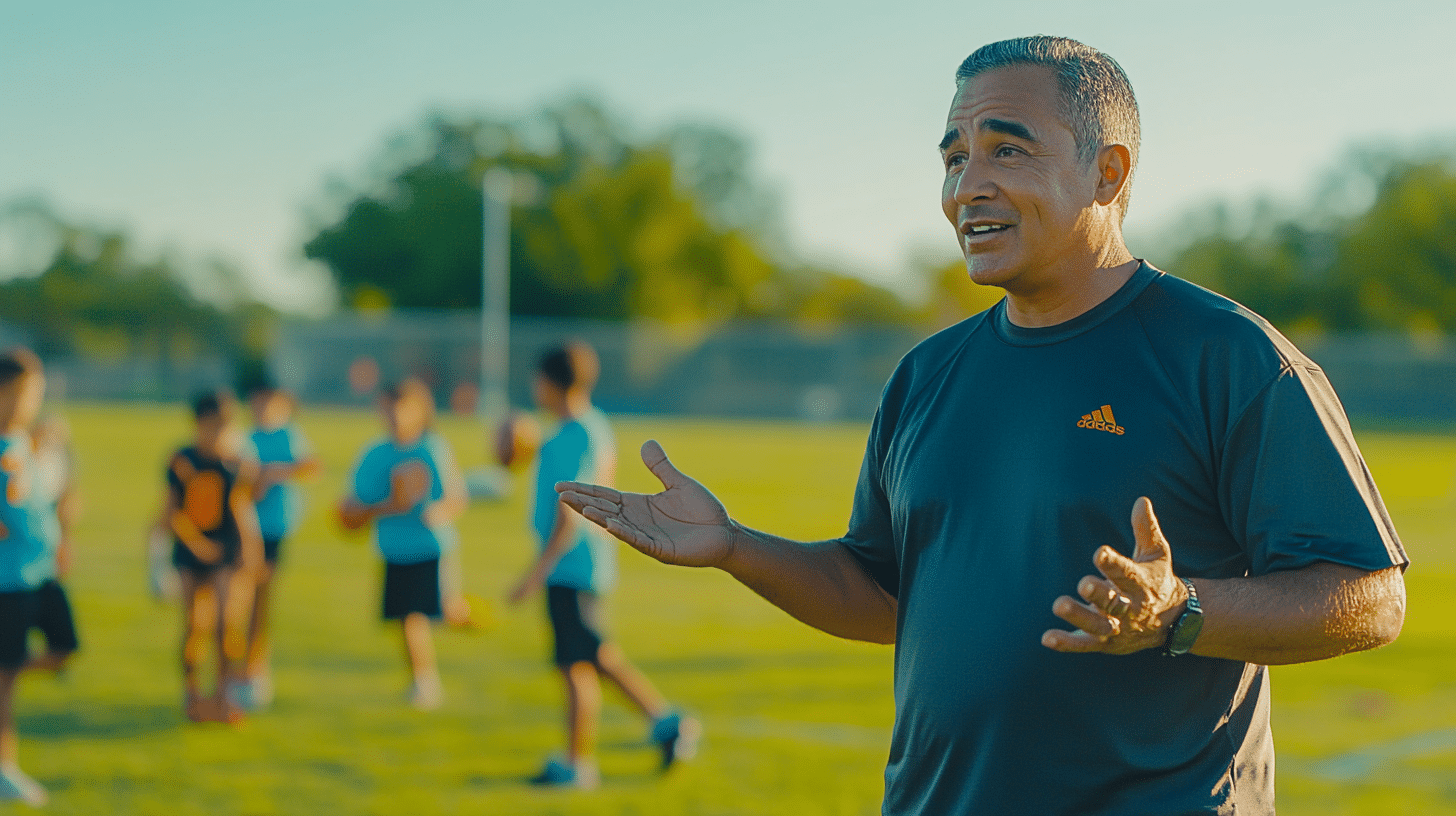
x: 1186, y: 629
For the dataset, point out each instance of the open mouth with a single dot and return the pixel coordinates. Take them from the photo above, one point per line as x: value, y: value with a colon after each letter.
x: 986, y: 229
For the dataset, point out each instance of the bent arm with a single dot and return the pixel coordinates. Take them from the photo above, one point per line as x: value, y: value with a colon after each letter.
x: 819, y: 583
x: 1295, y: 616
x: 557, y: 545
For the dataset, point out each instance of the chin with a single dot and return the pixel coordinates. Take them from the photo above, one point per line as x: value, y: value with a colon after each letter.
x: 986, y: 274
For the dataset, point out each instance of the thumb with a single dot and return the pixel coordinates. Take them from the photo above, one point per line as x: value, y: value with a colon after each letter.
x: 1151, y: 544
x: 655, y: 458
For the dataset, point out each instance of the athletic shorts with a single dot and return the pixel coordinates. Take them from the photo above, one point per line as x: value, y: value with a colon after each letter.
x: 270, y: 548
x: 183, y: 559
x: 54, y: 618
x: 18, y: 613
x: 410, y: 588
x: 575, y: 624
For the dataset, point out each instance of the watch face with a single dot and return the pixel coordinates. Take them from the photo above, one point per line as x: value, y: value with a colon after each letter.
x: 1185, y: 632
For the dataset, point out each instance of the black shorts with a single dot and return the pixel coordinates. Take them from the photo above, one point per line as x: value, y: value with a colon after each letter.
x: 576, y: 624
x: 183, y: 559
x: 18, y: 613
x: 54, y: 618
x: 410, y: 588
x: 271, y: 546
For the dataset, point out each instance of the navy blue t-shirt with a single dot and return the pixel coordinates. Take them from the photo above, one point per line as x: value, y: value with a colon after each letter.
x: 1002, y: 457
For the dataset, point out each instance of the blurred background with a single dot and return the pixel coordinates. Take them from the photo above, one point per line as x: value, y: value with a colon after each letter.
x: 737, y: 204
x: 737, y: 200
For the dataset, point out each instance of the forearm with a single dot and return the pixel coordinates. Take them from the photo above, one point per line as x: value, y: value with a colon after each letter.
x: 1296, y: 616
x: 249, y: 532
x: 819, y: 583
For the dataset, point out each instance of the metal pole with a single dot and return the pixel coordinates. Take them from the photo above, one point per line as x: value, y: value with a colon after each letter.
x: 495, y: 308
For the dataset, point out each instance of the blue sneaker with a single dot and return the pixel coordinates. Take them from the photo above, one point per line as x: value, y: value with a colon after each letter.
x: 559, y: 774
x: 676, y: 736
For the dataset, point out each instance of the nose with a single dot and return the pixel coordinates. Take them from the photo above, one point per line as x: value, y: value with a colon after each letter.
x: 973, y: 183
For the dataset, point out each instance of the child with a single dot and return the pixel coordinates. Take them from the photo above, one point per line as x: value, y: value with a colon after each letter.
x: 55, y: 487
x: 576, y: 564
x: 26, y: 526
x: 283, y: 456
x: 408, y: 487
x: 217, y: 550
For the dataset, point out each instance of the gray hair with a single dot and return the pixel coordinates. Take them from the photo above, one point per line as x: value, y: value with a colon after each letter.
x: 1097, y: 99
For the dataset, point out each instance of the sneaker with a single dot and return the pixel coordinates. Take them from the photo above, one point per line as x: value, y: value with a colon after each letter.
x: 254, y: 694
x: 262, y: 690
x: 426, y: 694
x: 16, y: 784
x: 558, y: 774
x: 677, y: 736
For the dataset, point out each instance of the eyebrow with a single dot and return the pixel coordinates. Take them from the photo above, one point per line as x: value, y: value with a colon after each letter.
x: 1015, y: 129
x: 1009, y: 128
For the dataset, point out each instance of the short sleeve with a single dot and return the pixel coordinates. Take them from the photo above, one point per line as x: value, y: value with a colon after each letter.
x: 299, y: 448
x: 563, y: 459
x: 1293, y: 486
x: 174, y: 480
x: 370, y: 481
x: 870, y: 538
x: 442, y: 463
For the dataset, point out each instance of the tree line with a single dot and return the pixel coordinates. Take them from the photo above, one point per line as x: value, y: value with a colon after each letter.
x: 675, y: 226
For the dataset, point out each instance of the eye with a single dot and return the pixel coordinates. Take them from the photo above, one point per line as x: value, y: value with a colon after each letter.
x: 953, y: 160
x: 1006, y: 151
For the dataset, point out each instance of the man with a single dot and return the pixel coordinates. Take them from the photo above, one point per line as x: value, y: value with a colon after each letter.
x: 1004, y: 459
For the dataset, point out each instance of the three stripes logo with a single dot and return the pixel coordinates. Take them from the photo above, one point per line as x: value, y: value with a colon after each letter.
x: 1101, y: 420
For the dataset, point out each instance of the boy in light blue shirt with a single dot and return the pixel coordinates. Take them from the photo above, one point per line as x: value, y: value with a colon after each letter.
x: 28, y: 528
x: 576, y: 564
x: 284, y: 456
x: 408, y: 486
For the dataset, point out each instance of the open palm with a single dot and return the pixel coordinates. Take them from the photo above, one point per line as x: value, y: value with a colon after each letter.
x: 684, y: 524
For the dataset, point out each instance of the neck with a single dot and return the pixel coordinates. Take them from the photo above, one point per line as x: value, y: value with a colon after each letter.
x: 574, y: 406
x: 1074, y: 291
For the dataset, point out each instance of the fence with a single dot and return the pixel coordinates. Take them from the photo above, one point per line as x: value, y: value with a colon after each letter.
x: 735, y: 370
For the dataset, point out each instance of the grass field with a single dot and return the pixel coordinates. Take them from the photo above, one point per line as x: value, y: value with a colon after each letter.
x: 797, y: 722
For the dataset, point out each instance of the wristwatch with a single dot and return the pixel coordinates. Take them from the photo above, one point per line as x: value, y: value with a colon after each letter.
x: 1185, y: 631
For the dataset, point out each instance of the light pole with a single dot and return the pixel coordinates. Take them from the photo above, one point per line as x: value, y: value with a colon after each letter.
x: 495, y: 295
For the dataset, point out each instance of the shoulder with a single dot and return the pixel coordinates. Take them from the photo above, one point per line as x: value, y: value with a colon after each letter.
x: 375, y: 453
x: 1185, y: 322
x: 436, y: 447
x: 928, y: 361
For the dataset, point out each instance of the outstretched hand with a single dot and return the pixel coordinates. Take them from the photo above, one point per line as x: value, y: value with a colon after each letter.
x: 1132, y: 605
x: 684, y: 524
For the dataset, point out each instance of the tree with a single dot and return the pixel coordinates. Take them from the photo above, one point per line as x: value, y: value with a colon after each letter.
x: 82, y: 291
x: 604, y: 226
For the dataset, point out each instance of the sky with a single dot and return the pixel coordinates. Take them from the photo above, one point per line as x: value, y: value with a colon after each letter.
x: 212, y: 127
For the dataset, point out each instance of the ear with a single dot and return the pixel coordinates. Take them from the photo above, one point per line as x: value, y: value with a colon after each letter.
x: 1114, y: 166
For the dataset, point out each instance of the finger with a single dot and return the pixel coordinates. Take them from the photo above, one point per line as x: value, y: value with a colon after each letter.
x: 1079, y: 641
x: 628, y: 534
x: 1084, y: 617
x: 612, y: 523
x: 1122, y: 571
x: 581, y: 501
x: 1100, y: 593
x: 1151, y: 544
x: 599, y: 491
x: 655, y: 458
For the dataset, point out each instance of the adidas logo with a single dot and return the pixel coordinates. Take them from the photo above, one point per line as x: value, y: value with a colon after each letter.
x: 1101, y: 420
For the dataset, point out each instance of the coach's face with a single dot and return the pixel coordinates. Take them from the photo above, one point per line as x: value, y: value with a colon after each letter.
x: 1015, y: 191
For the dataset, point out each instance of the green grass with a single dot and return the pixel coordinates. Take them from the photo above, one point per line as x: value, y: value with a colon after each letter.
x: 798, y: 722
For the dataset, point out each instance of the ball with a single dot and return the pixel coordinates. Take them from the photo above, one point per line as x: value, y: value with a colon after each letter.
x: 517, y: 439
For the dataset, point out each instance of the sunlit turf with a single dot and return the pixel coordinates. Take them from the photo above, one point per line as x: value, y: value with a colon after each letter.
x: 797, y: 722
